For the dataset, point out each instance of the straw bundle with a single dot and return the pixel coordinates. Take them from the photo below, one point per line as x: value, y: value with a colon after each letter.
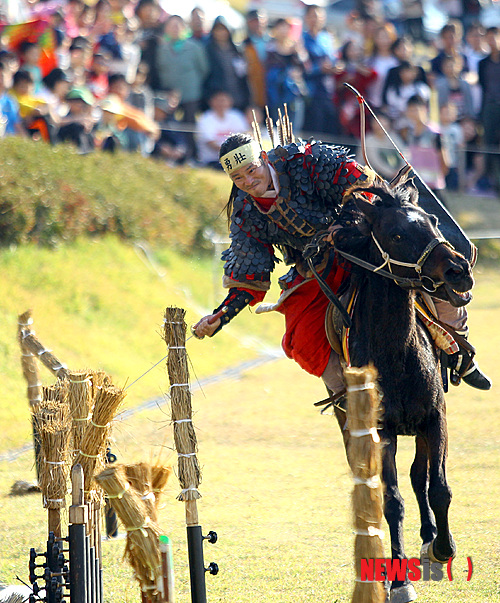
x: 58, y: 392
x: 364, y: 453
x: 142, y: 549
x: 184, y: 434
x: 160, y: 475
x: 140, y: 478
x: 99, y: 379
x: 53, y: 423
x: 80, y: 399
x: 93, y: 444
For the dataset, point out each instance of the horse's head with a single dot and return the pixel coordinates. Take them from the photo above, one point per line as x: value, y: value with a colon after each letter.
x: 399, y: 237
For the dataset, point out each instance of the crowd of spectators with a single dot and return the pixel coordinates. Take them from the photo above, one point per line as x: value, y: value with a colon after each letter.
x: 123, y: 74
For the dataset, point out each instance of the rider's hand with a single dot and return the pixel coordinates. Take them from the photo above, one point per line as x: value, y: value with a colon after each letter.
x: 332, y: 231
x: 206, y: 327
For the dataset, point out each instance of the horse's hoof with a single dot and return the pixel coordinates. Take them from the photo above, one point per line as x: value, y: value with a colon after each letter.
x: 403, y: 594
x: 424, y: 551
x: 427, y: 550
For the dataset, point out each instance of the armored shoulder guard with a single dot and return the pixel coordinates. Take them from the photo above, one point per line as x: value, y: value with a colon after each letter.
x: 250, y: 257
x: 312, y: 181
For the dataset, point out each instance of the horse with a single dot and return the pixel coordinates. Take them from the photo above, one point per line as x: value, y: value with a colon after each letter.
x: 396, y: 249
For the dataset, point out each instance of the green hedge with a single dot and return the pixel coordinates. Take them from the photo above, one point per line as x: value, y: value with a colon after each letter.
x: 52, y: 194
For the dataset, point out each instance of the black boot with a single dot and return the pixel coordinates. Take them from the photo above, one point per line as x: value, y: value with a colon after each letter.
x: 463, y: 366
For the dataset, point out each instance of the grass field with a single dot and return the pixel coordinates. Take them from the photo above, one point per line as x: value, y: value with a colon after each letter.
x: 276, y: 485
x: 100, y: 304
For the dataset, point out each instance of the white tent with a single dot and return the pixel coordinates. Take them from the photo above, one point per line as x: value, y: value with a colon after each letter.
x: 212, y: 8
x: 283, y: 8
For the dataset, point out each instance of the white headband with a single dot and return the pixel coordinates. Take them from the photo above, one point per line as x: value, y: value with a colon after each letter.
x: 237, y: 158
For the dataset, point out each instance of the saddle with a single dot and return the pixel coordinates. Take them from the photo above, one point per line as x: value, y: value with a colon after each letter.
x: 336, y: 332
x: 444, y: 337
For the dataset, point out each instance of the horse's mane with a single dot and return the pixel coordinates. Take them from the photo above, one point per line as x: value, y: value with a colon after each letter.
x: 354, y: 234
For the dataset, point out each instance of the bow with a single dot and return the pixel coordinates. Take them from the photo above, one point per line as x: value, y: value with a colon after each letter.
x: 405, y: 172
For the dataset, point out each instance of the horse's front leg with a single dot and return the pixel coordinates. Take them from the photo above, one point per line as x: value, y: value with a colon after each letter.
x: 443, y: 546
x: 402, y: 591
x: 419, y: 475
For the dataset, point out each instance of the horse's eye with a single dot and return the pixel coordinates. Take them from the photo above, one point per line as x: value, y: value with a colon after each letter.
x: 396, y: 238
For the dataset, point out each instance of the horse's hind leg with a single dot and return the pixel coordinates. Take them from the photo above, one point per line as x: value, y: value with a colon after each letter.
x: 419, y: 475
x: 443, y: 546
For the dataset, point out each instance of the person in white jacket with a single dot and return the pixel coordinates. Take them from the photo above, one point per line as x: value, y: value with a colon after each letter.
x: 215, y: 125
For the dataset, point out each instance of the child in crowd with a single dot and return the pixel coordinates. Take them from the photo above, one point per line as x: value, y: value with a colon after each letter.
x: 33, y: 109
x: 140, y: 129
x: 475, y: 47
x: 284, y: 73
x: 29, y: 53
x: 475, y: 51
x: 405, y: 88
x: 97, y: 78
x: 381, y: 61
x: 79, y: 122
x: 78, y: 58
x: 171, y: 146
x: 109, y: 135
x: 9, y: 107
x: 477, y: 181
x: 452, y: 141
x: 215, y: 125
x: 351, y: 69
x: 424, y: 146
x: 55, y: 89
x: 452, y: 88
x: 141, y: 95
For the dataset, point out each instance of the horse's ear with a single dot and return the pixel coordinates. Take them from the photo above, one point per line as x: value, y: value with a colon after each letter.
x: 412, y: 191
x: 365, y: 207
x: 404, y: 174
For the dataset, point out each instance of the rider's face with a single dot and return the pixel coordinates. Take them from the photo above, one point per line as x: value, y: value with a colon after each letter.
x: 253, y: 178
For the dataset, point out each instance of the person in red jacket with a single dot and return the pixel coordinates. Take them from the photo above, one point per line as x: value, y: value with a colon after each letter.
x: 351, y: 69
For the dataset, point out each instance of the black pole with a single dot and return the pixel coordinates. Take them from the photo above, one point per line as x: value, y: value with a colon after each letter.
x: 78, y: 563
x: 92, y: 574
x: 88, y: 567
x: 97, y: 580
x: 196, y: 564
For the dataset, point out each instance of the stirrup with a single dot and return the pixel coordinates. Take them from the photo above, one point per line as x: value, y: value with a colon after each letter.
x: 336, y: 400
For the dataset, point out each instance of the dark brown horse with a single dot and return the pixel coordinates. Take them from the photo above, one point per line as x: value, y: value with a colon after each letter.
x: 403, y: 252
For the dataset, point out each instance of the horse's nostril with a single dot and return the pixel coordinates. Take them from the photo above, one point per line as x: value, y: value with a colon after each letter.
x: 454, y: 272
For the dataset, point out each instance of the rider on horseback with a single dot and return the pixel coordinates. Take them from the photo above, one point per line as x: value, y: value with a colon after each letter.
x: 283, y: 198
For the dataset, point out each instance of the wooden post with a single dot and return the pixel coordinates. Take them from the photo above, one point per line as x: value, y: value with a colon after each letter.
x: 186, y: 445
x: 55, y: 522
x: 28, y: 361
x: 32, y: 376
x: 366, y: 463
x: 35, y: 347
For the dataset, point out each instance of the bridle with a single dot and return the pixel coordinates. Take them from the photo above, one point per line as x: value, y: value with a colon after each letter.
x: 421, y: 282
x: 425, y: 283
